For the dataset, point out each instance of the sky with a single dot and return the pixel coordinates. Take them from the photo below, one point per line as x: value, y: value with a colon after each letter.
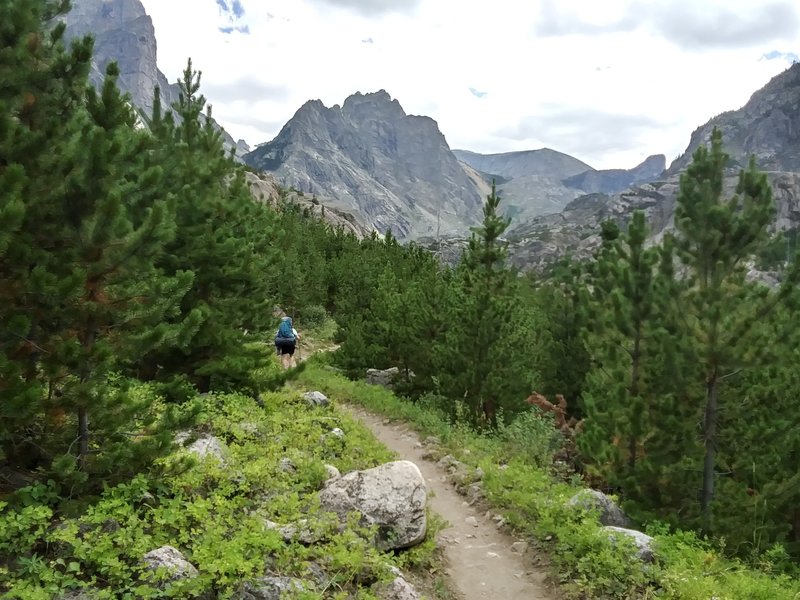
x: 608, y: 82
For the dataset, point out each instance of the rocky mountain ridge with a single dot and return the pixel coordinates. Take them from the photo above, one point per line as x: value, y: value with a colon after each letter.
x: 124, y: 32
x: 393, y: 169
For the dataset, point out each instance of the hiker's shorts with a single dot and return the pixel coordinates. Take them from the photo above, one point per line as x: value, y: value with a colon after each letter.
x: 286, y: 346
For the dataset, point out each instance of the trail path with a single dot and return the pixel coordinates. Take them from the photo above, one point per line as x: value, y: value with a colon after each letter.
x: 480, y: 563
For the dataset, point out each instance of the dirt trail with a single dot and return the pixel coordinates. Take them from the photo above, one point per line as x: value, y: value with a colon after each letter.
x: 480, y: 562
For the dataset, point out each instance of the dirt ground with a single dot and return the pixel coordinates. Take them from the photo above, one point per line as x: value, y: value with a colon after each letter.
x: 480, y: 562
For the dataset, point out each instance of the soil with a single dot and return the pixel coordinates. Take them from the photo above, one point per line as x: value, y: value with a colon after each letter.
x: 480, y: 562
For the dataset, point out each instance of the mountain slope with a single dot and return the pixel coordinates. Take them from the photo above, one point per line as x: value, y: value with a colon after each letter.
x: 395, y: 170
x: 768, y: 126
x: 123, y: 32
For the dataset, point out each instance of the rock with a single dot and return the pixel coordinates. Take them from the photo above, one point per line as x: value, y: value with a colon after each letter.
x: 315, y: 399
x: 207, y: 446
x: 432, y: 441
x: 383, y: 377
x: 286, y: 465
x: 332, y: 472
x: 398, y: 589
x: 82, y: 594
x: 643, y: 542
x: 608, y: 512
x: 471, y: 521
x: 169, y: 558
x: 475, y: 493
x: 519, y: 547
x: 336, y: 432
x: 249, y: 428
x: 395, y: 169
x: 392, y: 496
x: 271, y: 588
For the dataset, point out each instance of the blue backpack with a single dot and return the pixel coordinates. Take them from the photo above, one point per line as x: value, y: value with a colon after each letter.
x: 285, y: 329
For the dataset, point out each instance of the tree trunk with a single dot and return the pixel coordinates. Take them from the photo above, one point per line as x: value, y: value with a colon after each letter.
x: 633, y: 392
x: 83, y: 437
x: 710, y: 433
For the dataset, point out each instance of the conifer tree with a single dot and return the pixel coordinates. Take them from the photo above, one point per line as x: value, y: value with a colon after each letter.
x: 224, y: 238
x: 724, y: 312
x: 486, y: 347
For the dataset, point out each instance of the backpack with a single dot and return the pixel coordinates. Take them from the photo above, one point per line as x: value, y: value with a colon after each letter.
x: 285, y: 329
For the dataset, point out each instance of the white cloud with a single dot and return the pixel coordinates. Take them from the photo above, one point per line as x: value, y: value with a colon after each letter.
x: 609, y: 84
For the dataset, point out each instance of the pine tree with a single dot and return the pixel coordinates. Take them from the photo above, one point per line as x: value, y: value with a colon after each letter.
x: 724, y: 312
x: 225, y: 238
x: 486, y: 344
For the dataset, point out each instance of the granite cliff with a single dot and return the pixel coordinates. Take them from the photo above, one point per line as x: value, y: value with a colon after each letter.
x: 395, y: 170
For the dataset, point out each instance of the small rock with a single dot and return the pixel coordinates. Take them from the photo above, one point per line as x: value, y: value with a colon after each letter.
x: 271, y: 588
x: 286, y: 465
x: 332, y: 472
x: 471, y: 521
x: 432, y: 440
x: 479, y: 474
x: 398, y: 589
x: 503, y: 467
x: 315, y: 399
x: 519, y: 547
x: 208, y: 446
x: 492, y: 555
x: 170, y: 559
x: 336, y: 432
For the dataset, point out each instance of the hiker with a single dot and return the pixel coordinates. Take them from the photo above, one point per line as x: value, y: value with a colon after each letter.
x: 286, y: 342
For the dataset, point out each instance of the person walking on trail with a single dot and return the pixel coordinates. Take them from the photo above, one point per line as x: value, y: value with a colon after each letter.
x: 286, y: 342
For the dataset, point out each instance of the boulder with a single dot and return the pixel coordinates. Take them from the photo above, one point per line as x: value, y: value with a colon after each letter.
x: 270, y: 588
x: 315, y: 399
x: 643, y: 542
x: 386, y: 377
x: 392, y: 496
x: 398, y: 589
x: 170, y: 558
x: 608, y: 512
x: 203, y: 447
x: 332, y: 472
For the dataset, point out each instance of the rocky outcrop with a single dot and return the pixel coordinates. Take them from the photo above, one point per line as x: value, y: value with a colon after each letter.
x: 576, y: 230
x: 315, y: 399
x: 392, y: 497
x: 768, y: 127
x: 265, y: 189
x: 371, y: 158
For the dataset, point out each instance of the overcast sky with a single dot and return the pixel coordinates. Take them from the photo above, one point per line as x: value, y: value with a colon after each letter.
x: 609, y: 82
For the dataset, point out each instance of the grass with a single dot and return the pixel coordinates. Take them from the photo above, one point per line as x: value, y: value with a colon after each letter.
x: 518, y: 483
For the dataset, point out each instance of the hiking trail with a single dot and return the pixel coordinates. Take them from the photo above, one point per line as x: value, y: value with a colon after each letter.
x: 480, y: 564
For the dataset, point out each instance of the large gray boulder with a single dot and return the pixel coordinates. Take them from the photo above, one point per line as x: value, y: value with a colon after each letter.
x: 642, y: 541
x: 314, y: 399
x: 608, y: 512
x: 392, y: 496
x: 170, y: 559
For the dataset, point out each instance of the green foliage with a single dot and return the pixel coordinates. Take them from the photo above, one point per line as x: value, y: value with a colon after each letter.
x: 585, y: 562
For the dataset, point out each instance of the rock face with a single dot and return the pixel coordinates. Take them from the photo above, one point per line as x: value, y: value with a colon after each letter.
x: 392, y: 496
x: 393, y: 169
x: 123, y: 32
x: 768, y: 126
x: 529, y: 182
x: 576, y: 230
x: 265, y: 189
x: 611, y: 181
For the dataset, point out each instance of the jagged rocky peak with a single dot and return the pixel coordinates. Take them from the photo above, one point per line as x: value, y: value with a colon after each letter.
x: 611, y: 181
x: 768, y: 127
x: 375, y: 105
x: 395, y: 170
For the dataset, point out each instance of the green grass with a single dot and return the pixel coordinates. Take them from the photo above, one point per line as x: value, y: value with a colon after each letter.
x: 519, y: 484
x: 213, y: 513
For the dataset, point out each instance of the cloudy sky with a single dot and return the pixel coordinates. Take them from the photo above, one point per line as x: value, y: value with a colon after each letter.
x: 608, y: 82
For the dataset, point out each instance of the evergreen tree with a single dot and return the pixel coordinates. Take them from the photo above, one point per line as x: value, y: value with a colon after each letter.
x: 485, y: 354
x: 225, y: 239
x: 724, y: 312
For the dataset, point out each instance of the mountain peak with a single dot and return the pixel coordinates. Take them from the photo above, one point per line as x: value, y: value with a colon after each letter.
x: 372, y: 105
